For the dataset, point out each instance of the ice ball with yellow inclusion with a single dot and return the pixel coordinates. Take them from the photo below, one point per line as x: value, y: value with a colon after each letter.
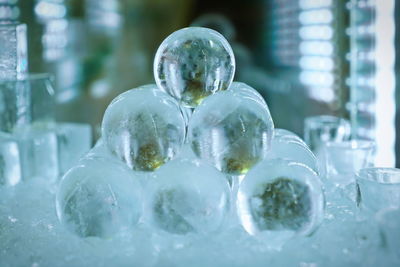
x: 231, y: 132
x: 99, y: 198
x: 144, y: 127
x: 193, y: 63
x: 279, y: 199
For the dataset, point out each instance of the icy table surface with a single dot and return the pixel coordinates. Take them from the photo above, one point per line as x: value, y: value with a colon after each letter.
x: 30, y: 235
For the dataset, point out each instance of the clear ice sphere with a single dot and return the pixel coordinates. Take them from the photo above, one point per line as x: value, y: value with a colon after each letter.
x: 283, y: 134
x: 99, y: 198
x: 279, y: 199
x: 144, y: 127
x: 245, y: 91
x: 38, y: 151
x: 10, y: 164
x: 230, y: 132
x: 193, y: 63
x: 292, y: 149
x: 13, y: 51
x: 187, y: 196
x: 74, y: 140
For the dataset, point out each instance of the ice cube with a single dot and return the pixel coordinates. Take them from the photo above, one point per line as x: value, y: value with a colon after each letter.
x: 187, y: 196
x: 26, y: 100
x: 15, y: 104
x: 39, y: 151
x: 10, y: 165
x: 231, y: 132
x: 193, y: 63
x: 13, y: 51
x: 144, y: 127
x: 74, y: 140
x: 99, y: 198
x: 279, y: 199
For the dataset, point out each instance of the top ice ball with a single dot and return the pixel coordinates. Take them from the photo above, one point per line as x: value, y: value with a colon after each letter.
x: 193, y: 63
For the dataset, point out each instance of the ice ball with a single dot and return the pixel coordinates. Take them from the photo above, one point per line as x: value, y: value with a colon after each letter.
x: 99, y: 198
x: 231, y: 132
x: 279, y: 199
x: 246, y: 91
x: 292, y: 148
x: 188, y: 196
x: 286, y: 135
x: 193, y: 63
x: 144, y: 127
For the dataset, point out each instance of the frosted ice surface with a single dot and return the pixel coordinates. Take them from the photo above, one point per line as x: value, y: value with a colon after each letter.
x: 278, y: 199
x: 10, y: 165
x: 144, y: 127
x: 230, y: 132
x: 193, y: 63
x: 74, y: 140
x: 388, y: 220
x: 13, y: 51
x: 188, y: 196
x: 99, y: 198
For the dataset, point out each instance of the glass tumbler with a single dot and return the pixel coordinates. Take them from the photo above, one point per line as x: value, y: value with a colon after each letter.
x: 344, y: 159
x: 321, y: 129
x: 378, y: 188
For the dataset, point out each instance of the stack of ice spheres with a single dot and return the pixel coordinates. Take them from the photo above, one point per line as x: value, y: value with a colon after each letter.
x: 32, y: 144
x: 183, y: 140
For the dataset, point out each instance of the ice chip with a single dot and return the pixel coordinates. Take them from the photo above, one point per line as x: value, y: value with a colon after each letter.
x: 99, y: 198
x: 279, y: 199
x: 231, y: 132
x: 144, y: 127
x: 193, y: 63
x: 188, y: 196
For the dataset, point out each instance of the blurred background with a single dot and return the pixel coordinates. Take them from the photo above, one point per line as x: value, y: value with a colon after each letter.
x: 306, y: 57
